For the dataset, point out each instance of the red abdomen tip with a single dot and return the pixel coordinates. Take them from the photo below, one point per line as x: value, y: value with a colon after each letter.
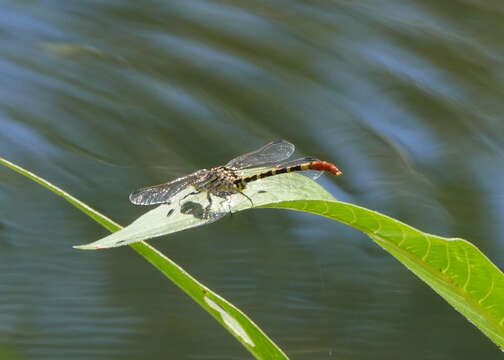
x: 325, y: 166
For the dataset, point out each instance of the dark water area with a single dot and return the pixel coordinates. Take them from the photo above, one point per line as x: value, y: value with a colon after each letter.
x: 102, y: 97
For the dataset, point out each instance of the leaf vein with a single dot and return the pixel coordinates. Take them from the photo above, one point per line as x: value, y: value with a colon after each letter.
x: 354, y: 217
x: 403, y: 236
x: 488, y: 293
x: 429, y: 245
x: 448, y: 260
x: 468, y: 271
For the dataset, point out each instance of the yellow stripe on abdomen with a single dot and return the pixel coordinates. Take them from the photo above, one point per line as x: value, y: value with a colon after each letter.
x: 240, y: 183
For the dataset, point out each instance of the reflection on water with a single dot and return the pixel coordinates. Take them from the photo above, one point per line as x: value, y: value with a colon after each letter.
x: 103, y: 96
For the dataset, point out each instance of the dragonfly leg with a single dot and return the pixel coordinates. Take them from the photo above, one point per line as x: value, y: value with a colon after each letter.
x: 191, y: 193
x: 249, y: 199
x: 228, y: 202
x: 206, y: 212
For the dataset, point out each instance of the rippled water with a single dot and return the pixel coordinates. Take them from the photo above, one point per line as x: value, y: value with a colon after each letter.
x: 101, y: 97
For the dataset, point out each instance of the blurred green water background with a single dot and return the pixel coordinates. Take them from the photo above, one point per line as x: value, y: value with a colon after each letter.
x: 102, y: 97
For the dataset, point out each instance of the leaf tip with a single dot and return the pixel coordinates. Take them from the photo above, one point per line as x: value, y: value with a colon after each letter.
x: 87, y: 247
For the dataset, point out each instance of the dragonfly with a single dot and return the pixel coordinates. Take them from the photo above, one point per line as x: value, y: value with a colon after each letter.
x: 230, y: 179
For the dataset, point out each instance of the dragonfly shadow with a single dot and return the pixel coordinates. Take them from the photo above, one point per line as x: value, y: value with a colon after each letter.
x: 193, y: 208
x: 197, y: 210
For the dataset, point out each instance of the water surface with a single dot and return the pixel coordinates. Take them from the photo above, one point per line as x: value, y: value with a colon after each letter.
x: 102, y: 97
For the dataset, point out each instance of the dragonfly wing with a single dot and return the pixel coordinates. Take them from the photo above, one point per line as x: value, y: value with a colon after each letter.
x: 162, y: 193
x: 269, y: 154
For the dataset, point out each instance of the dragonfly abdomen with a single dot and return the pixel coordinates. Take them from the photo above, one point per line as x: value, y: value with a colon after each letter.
x: 313, y: 165
x: 325, y: 166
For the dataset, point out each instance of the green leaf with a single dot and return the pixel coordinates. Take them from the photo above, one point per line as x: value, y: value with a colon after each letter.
x: 235, y: 321
x: 186, y: 212
x: 452, y: 267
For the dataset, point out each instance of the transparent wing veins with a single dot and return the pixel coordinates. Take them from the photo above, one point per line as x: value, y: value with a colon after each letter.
x: 161, y: 193
x: 269, y: 154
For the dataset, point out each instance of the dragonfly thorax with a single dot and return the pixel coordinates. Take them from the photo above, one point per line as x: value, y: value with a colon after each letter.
x: 219, y: 181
